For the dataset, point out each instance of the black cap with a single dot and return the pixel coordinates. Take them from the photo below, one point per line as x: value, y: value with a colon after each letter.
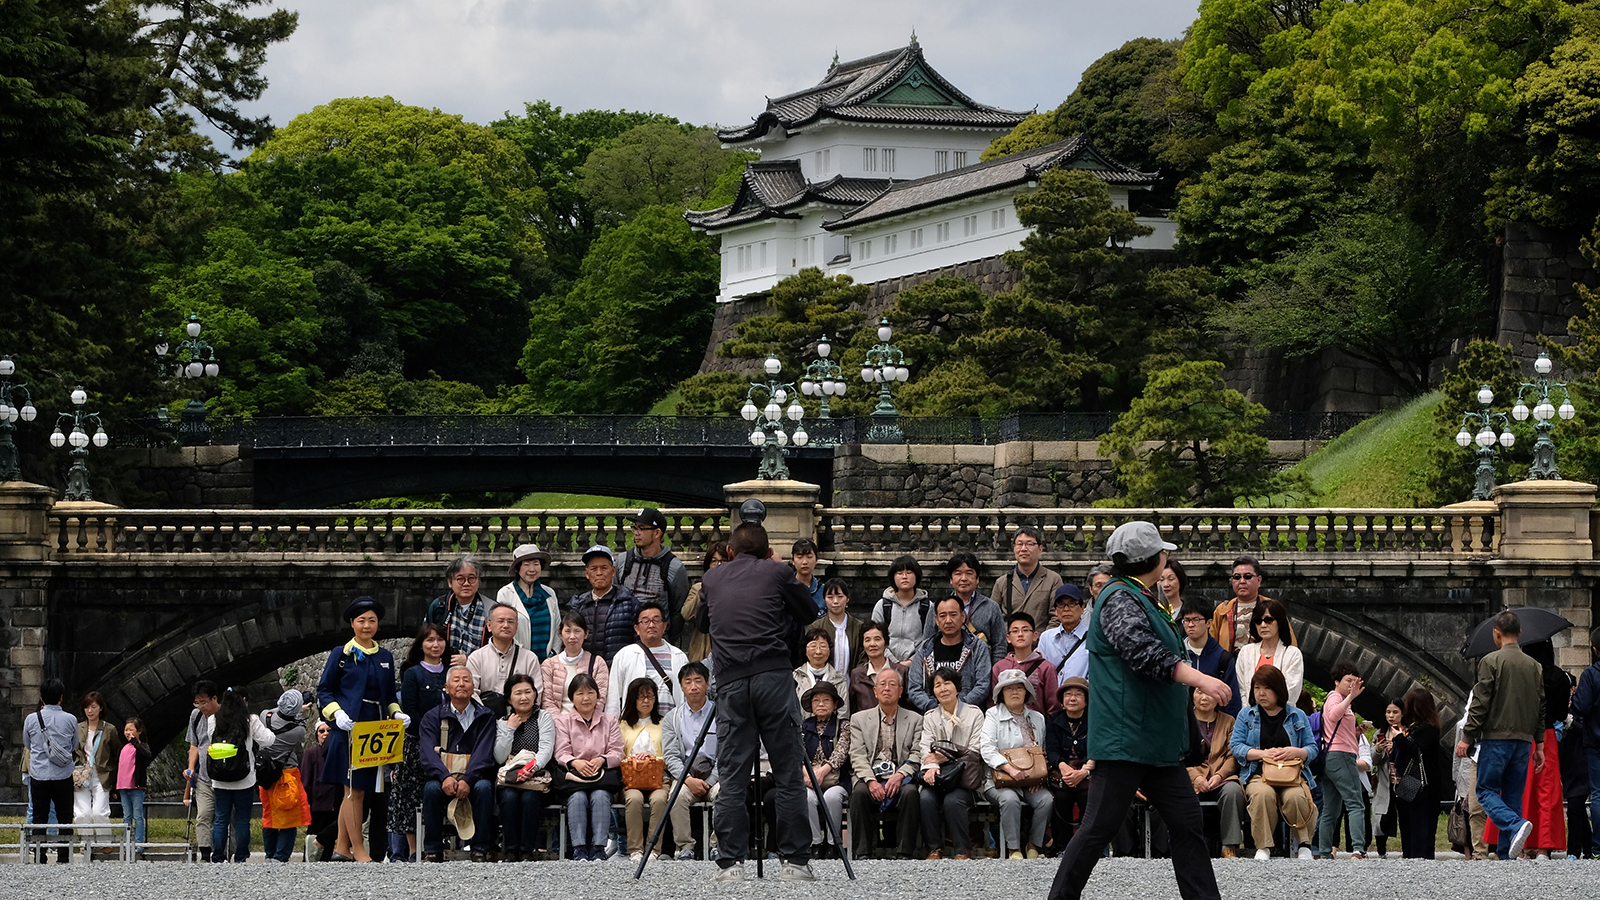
x: 360, y: 605
x: 652, y: 517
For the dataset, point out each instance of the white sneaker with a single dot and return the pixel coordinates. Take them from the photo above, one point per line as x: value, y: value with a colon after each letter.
x: 792, y: 872
x: 635, y: 857
x: 1545, y: 857
x: 1520, y: 839
x: 1305, y: 853
x: 734, y: 872
x: 654, y: 856
x: 1263, y: 854
x: 686, y: 853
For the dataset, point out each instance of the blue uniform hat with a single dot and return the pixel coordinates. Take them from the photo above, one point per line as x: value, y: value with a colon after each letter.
x: 360, y: 605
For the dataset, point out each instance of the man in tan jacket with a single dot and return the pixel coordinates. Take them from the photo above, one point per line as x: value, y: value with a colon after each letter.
x: 1029, y: 587
x: 883, y: 756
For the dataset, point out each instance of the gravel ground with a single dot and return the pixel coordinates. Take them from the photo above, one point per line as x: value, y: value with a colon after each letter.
x: 1370, y: 879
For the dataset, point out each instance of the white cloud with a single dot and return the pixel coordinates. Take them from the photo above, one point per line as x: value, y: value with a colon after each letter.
x: 704, y: 61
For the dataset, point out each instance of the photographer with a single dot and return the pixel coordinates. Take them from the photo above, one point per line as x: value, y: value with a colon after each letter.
x: 749, y: 606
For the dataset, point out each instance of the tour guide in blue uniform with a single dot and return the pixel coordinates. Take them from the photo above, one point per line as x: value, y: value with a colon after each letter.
x: 357, y: 686
x: 1140, y: 710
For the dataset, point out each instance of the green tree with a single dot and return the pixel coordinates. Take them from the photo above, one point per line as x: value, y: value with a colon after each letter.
x: 1114, y: 103
x: 1578, y: 441
x: 380, y: 393
x: 805, y: 306
x: 1035, y: 131
x: 633, y: 324
x: 1191, y: 441
x: 657, y: 163
x: 1371, y: 284
x: 554, y: 145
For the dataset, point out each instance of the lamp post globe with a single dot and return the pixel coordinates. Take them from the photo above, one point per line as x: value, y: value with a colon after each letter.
x: 1542, y: 391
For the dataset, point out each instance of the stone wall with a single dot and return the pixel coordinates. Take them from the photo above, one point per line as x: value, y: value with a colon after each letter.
x: 191, y: 477
x: 1541, y: 269
x: 1034, y: 474
x: 1329, y: 381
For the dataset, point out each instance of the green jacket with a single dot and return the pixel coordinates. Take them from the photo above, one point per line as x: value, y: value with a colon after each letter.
x: 1508, y: 700
x: 1137, y: 718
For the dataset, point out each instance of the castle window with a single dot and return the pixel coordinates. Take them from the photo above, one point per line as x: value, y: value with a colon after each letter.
x: 941, y: 160
x: 869, y: 159
x: 888, y: 160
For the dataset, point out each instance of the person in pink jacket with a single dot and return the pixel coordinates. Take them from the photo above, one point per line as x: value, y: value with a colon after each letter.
x: 589, y: 759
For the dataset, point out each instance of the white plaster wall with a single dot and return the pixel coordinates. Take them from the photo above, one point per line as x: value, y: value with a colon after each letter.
x: 914, y: 148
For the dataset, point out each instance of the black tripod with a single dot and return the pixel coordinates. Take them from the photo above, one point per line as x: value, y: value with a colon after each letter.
x: 822, y: 808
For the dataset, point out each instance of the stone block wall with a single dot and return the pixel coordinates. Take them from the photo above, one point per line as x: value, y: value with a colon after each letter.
x: 1540, y: 271
x: 23, y: 640
x: 221, y: 477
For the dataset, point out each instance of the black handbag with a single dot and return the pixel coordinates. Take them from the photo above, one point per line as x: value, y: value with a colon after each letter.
x: 1412, y: 781
x: 961, y: 768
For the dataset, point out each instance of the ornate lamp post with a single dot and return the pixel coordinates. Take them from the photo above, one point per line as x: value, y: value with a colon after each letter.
x: 885, y: 364
x: 769, y: 434
x: 824, y: 378
x: 1483, y: 420
x: 195, y: 358
x: 80, y: 439
x: 10, y: 460
x: 1544, y: 449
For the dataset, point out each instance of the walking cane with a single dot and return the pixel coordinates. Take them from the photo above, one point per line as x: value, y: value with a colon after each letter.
x: 822, y: 809
x: 661, y: 823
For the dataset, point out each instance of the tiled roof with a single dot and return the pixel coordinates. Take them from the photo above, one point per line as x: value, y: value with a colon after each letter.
x: 855, y: 92
x: 986, y: 177
x: 773, y: 189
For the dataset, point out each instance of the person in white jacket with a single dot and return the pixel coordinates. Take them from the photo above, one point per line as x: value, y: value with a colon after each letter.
x: 234, y: 797
x: 538, y: 612
x: 1266, y: 648
x: 1010, y: 724
x: 661, y: 665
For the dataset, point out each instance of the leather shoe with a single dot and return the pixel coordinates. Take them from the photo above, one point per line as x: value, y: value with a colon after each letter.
x: 433, y: 857
x: 479, y: 856
x: 934, y: 855
x: 1229, y: 853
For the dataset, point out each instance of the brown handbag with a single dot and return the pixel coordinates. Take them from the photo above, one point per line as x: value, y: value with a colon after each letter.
x: 1030, y: 760
x: 642, y: 773
x: 1282, y: 775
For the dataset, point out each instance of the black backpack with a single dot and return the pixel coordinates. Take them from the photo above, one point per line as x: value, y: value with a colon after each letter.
x: 268, y: 770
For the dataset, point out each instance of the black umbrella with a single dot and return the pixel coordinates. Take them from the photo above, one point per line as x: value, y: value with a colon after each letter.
x: 1538, y: 624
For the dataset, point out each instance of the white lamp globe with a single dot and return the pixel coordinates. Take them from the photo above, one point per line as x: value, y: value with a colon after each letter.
x: 77, y: 438
x: 1542, y: 365
x: 1520, y: 411
x: 1485, y: 438
x: 193, y: 327
x: 824, y: 348
x: 866, y: 375
x: 28, y: 412
x: 838, y: 388
x: 6, y: 413
x: 783, y: 439
x: 807, y: 388
x: 101, y: 438
x: 213, y: 370
x: 782, y: 396
x: 749, y: 411
x: 162, y: 348
x: 757, y: 438
x: 1507, y: 438
x: 79, y: 397
x: 800, y: 437
x: 773, y: 367
x: 1485, y: 395
x: 196, y: 369
x: 57, y: 439
x: 884, y: 332
x: 1566, y: 411
x: 773, y: 412
x: 902, y: 374
x: 1544, y: 412
x: 7, y: 366
x: 795, y: 411
x: 1463, y: 438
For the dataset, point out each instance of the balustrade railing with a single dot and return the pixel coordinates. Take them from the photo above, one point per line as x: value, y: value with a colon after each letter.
x: 440, y: 532
x: 1082, y: 532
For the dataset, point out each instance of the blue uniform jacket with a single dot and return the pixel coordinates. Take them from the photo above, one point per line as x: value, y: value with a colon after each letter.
x: 362, y: 684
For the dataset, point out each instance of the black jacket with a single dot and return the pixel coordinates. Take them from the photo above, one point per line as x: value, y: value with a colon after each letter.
x: 750, y: 608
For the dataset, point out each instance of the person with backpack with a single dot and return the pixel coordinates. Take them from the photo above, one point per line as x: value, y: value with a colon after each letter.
x: 285, y: 807
x: 357, y: 685
x: 1041, y: 674
x: 953, y: 650
x: 231, y: 760
x: 984, y: 617
x: 652, y: 574
x: 1028, y: 586
x: 1337, y: 745
x: 904, y: 610
x: 1205, y: 653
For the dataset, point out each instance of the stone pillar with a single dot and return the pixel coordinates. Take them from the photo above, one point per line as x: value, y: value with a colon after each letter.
x: 792, y: 509
x: 24, y: 551
x: 1544, y: 540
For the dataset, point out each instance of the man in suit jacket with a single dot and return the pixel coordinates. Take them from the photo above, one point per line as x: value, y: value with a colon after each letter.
x: 883, y: 757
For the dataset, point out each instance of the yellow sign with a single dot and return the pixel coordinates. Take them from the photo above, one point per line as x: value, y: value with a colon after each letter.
x: 376, y: 743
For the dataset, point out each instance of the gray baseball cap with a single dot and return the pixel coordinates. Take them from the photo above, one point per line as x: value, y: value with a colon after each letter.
x: 1133, y: 541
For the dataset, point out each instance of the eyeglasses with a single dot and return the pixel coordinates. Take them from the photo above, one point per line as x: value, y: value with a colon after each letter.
x: 1193, y: 620
x: 1241, y: 576
x: 651, y: 621
x: 465, y: 579
x: 637, y: 527
x: 1025, y: 542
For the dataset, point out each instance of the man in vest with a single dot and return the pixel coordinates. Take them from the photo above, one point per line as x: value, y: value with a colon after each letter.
x: 1028, y: 586
x: 651, y: 573
x: 1136, y: 663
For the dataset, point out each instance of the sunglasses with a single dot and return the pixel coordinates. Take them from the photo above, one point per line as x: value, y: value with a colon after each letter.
x: 1266, y: 619
x: 1241, y: 576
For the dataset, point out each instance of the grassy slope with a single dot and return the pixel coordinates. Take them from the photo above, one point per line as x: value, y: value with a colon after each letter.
x: 1379, y: 463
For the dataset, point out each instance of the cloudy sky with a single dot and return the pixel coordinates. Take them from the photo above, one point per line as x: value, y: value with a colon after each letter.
x: 704, y: 61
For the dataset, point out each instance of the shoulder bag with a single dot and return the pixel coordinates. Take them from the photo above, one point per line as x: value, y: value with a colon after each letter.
x: 962, y: 767
x: 519, y: 772
x: 499, y: 702
x: 1030, y: 760
x: 1282, y: 774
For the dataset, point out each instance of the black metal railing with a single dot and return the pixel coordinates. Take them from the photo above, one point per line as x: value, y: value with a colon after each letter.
x: 715, y: 431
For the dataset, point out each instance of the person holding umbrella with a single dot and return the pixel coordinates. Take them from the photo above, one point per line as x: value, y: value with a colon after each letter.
x: 1505, y: 718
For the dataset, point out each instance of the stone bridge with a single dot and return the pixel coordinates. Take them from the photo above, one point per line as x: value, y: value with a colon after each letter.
x: 138, y: 604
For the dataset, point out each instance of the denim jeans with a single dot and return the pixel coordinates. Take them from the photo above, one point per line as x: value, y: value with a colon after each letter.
x: 434, y: 804
x: 1341, y: 793
x: 233, y: 808
x: 1502, y: 776
x: 278, y: 843
x: 519, y: 816
x: 133, y: 812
